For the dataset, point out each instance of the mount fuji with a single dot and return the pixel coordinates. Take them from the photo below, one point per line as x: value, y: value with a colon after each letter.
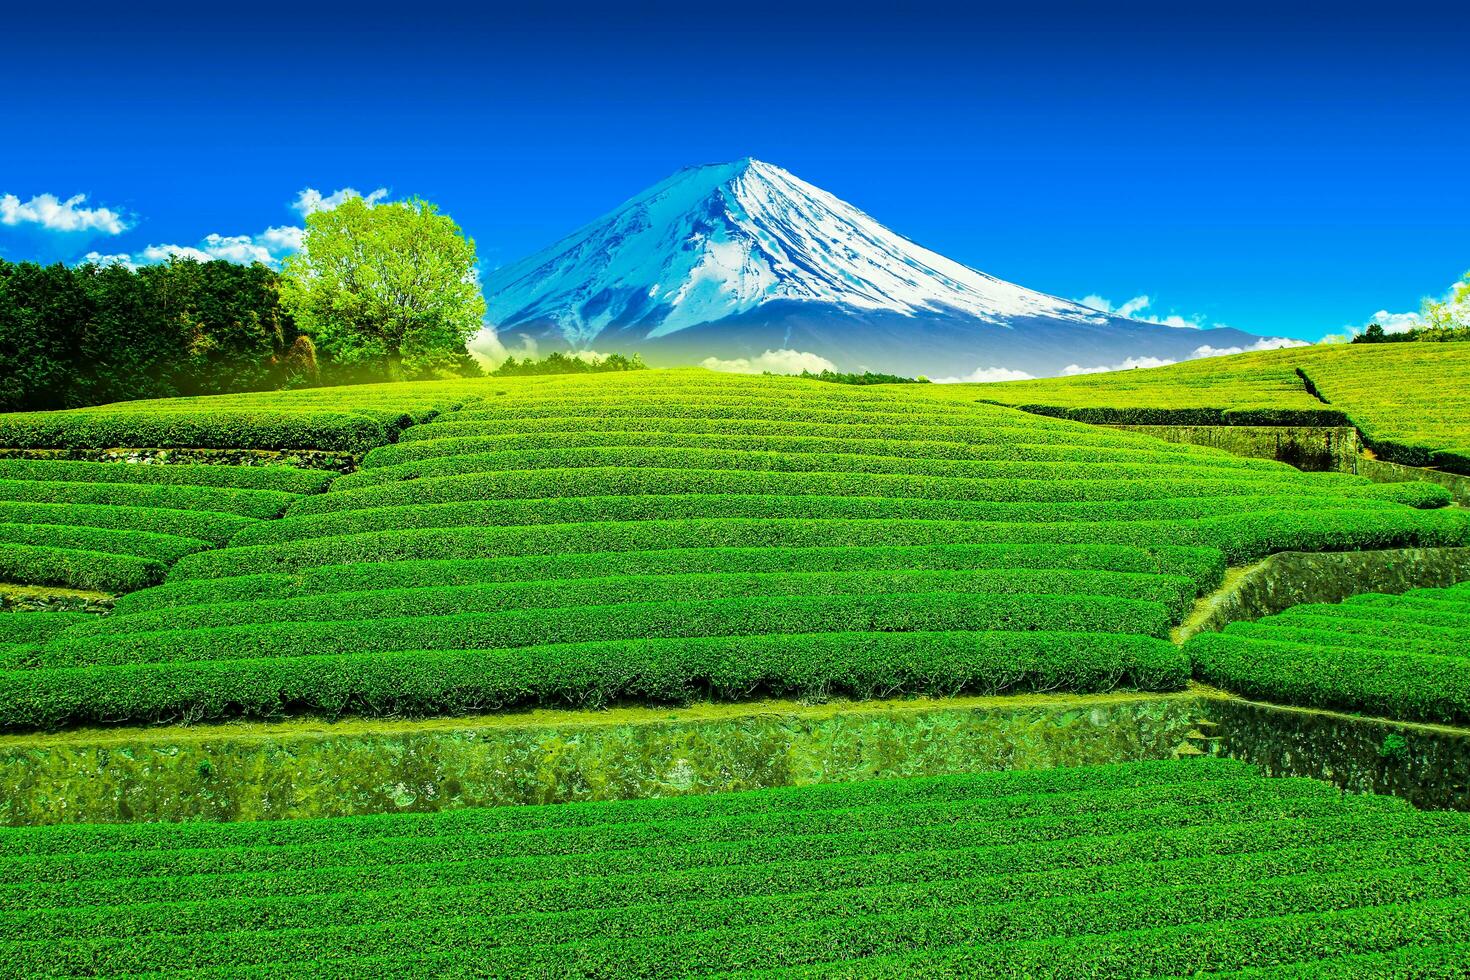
x: 733, y: 260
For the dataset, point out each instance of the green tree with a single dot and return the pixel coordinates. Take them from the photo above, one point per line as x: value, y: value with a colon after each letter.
x: 389, y: 288
x: 1453, y: 313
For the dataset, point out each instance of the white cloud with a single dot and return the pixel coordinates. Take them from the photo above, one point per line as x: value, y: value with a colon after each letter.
x: 1127, y: 365
x: 782, y: 361
x: 986, y: 374
x: 1265, y: 343
x: 1396, y: 322
x: 310, y: 200
x: 1133, y: 310
x: 282, y: 239
x: 487, y: 348
x: 1127, y: 308
x: 120, y: 258
x: 53, y: 214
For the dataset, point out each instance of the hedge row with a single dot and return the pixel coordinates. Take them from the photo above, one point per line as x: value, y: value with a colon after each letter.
x: 34, y: 627
x: 1102, y: 872
x: 76, y: 568
x: 1399, y: 656
x: 615, y: 480
x: 85, y: 519
x: 1204, y: 567
x: 150, y: 545
x: 872, y: 440
x: 530, y: 854
x: 1175, y: 594
x: 1239, y: 538
x: 106, y: 428
x: 1016, y: 521
x: 1020, y: 468
x: 284, y: 479
x: 789, y: 437
x: 901, y: 424
x: 258, y: 504
x: 510, y: 628
x: 677, y: 670
x: 1086, y: 831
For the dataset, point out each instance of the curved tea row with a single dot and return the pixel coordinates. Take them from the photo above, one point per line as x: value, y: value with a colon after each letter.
x: 1403, y: 656
x: 115, y: 527
x: 661, y: 536
x: 1141, y: 870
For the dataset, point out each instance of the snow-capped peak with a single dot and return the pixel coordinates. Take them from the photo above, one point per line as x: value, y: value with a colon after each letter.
x: 719, y: 240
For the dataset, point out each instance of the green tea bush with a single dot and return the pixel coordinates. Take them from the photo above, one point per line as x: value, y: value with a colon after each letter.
x: 1137, y: 870
x: 1399, y: 656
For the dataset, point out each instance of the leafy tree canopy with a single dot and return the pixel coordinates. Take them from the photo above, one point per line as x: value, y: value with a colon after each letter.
x: 389, y: 287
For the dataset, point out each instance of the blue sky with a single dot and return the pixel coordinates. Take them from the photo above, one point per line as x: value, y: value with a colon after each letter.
x: 1281, y: 170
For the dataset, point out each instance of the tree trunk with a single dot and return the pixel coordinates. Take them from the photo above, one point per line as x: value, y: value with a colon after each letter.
x: 395, y: 367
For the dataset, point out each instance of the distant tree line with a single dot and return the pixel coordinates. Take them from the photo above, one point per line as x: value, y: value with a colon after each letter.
x: 866, y: 378
x: 1445, y: 321
x: 80, y: 336
x: 1375, y: 334
x: 558, y: 363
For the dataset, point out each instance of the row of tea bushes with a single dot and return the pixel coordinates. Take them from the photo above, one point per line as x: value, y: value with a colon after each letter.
x: 860, y: 542
x: 116, y: 527
x: 1141, y: 870
x: 353, y: 418
x: 1403, y: 656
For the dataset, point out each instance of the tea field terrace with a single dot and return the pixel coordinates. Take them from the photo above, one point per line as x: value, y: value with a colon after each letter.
x: 660, y: 537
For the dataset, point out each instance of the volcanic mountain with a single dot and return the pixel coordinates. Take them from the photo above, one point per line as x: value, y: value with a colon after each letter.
x: 732, y: 260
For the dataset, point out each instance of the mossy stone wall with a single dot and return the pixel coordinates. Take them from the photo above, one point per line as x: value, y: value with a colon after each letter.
x: 1307, y: 447
x: 1291, y: 578
x: 1429, y: 765
x: 265, y: 771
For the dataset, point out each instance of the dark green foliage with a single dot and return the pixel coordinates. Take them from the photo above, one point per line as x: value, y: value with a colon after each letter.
x: 1440, y: 335
x: 558, y: 363
x: 75, y: 567
x: 266, y: 429
x: 1201, y: 567
x: 1399, y: 656
x: 865, y: 378
x: 1240, y: 538
x: 1190, y: 416
x: 1140, y: 870
x: 1175, y: 593
x: 282, y: 478
x: 115, y: 527
x: 79, y: 336
x: 375, y: 672
x: 224, y: 500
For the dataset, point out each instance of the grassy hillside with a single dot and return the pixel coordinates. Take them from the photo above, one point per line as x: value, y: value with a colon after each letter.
x: 660, y: 536
x: 1143, y: 870
x: 1410, y: 401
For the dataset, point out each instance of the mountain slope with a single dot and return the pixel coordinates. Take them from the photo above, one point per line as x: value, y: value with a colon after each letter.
x: 734, y: 259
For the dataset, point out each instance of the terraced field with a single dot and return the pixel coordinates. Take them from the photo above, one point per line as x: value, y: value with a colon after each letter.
x: 115, y: 527
x: 1165, y: 869
x: 1400, y: 656
x: 664, y: 536
x: 352, y: 419
x: 1410, y: 401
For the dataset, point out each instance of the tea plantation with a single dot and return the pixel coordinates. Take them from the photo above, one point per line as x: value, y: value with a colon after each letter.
x: 666, y: 536
x: 1410, y: 401
x: 662, y: 538
x: 1142, y: 870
